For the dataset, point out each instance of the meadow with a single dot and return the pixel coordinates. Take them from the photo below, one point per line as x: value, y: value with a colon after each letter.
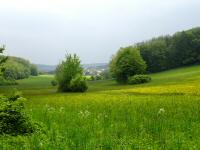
x: 162, y: 114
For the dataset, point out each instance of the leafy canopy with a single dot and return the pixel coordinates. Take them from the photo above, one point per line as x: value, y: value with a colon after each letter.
x: 127, y: 62
x: 68, y: 70
x: 167, y: 52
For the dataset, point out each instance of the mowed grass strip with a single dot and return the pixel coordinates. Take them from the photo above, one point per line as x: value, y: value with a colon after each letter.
x: 163, y: 114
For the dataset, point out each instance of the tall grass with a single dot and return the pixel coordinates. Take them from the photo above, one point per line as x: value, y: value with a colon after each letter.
x: 163, y: 114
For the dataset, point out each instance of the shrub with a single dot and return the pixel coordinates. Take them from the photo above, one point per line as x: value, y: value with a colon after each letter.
x: 78, y: 84
x: 13, y: 119
x: 99, y: 77
x: 54, y: 83
x: 138, y: 79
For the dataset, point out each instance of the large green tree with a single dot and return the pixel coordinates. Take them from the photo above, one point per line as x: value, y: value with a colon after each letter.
x: 127, y: 62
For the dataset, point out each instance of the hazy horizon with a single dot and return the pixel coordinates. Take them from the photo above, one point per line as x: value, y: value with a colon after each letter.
x: 43, y: 31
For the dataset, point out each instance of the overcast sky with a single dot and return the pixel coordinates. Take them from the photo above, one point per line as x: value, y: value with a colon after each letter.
x: 44, y: 30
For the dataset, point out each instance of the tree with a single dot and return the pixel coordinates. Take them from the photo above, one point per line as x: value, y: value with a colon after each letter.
x: 2, y: 59
x: 127, y: 62
x: 18, y: 68
x: 155, y: 53
x: 67, y: 71
x: 185, y: 48
x: 15, y: 70
x: 167, y: 52
x: 34, y: 70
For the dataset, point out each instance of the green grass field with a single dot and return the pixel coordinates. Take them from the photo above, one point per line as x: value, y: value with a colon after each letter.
x: 162, y: 114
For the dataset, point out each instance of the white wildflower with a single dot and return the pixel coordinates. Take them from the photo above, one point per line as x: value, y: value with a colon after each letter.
x: 161, y: 111
x: 61, y: 109
x: 50, y: 109
x: 84, y: 114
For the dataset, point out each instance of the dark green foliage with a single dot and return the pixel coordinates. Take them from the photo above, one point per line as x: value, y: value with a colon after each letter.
x: 98, y: 77
x: 167, y: 52
x: 138, y: 79
x: 78, y: 84
x: 13, y: 119
x: 155, y: 53
x: 185, y: 48
x: 3, y: 81
x: 18, y: 68
x: 2, y: 59
x: 68, y: 70
x: 54, y: 83
x: 92, y: 78
x: 2, y: 49
x: 34, y: 70
x: 14, y: 70
x: 127, y: 62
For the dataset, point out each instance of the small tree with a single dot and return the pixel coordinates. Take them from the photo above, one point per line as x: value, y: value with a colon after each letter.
x: 127, y: 62
x: 34, y: 70
x: 68, y: 70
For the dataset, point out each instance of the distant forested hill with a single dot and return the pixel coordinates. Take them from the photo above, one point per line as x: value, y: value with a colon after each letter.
x: 95, y: 66
x: 18, y: 68
x: 171, y: 51
x: 51, y: 68
x: 46, y: 68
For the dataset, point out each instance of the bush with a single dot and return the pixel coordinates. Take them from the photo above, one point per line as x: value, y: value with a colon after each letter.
x: 78, y: 84
x: 99, y: 77
x: 54, y: 83
x: 13, y: 120
x: 92, y: 78
x: 138, y: 79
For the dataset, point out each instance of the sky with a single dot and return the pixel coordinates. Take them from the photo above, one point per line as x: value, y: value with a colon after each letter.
x: 43, y: 31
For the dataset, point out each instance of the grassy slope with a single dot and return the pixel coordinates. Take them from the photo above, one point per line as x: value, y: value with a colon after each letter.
x: 115, y: 116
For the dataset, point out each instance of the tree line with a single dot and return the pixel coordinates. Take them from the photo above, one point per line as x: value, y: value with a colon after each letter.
x: 155, y: 55
x: 15, y: 68
x: 168, y: 52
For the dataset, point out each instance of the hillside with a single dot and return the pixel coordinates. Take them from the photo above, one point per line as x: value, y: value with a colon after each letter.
x: 186, y: 76
x: 46, y: 68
